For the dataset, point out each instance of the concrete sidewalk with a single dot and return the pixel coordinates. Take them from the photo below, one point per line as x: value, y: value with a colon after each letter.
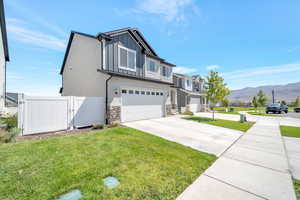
x: 254, y: 167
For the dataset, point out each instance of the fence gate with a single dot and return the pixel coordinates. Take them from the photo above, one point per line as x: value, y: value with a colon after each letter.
x: 46, y: 114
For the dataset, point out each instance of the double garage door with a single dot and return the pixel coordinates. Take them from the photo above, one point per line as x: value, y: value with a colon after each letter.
x: 139, y: 104
x: 195, y: 105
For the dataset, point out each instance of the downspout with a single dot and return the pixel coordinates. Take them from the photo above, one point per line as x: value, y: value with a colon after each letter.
x: 106, y: 98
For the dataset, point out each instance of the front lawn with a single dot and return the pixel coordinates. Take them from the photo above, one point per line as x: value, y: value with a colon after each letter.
x: 223, y: 123
x: 290, y: 131
x: 263, y: 114
x: 232, y: 113
x: 297, y: 188
x: 147, y: 166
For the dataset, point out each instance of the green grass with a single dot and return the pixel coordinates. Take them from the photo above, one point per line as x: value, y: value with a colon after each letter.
x: 290, y: 131
x: 147, y: 166
x: 297, y: 188
x: 263, y: 114
x: 232, y: 113
x: 223, y: 123
x: 236, y: 109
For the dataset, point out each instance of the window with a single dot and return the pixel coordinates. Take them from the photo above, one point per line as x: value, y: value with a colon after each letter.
x: 152, y: 65
x: 152, y: 93
x: 148, y: 93
x: 157, y: 93
x: 124, y: 91
x: 161, y: 94
x: 127, y: 59
x: 142, y: 92
x: 130, y: 91
x: 166, y: 71
x: 137, y: 92
x: 188, y: 83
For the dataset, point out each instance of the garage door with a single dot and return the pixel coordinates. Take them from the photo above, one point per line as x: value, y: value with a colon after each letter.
x: 139, y: 104
x: 195, y: 105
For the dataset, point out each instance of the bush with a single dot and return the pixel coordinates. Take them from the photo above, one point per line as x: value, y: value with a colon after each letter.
x: 11, y: 122
x: 187, y: 112
x: 98, y: 126
x: 8, y: 136
x: 114, y: 124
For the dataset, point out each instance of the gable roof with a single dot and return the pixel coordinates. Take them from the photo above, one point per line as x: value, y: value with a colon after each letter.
x: 136, y: 34
x: 138, y: 37
x: 3, y: 30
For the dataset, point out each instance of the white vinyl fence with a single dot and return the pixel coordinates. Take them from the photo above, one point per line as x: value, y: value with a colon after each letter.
x: 46, y: 114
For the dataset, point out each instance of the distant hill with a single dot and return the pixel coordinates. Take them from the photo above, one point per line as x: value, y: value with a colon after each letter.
x: 288, y: 92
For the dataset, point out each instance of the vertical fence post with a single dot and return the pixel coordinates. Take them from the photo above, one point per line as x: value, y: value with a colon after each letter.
x: 21, y: 112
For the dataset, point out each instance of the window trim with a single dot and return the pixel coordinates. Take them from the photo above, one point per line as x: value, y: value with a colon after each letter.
x: 167, y: 68
x: 157, y: 65
x: 119, y: 58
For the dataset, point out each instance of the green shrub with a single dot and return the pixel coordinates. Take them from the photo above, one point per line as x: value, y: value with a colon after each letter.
x: 11, y: 122
x: 187, y: 112
x: 8, y: 136
x: 98, y: 126
x: 114, y: 124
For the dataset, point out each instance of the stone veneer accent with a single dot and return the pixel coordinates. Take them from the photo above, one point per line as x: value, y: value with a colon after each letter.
x: 169, y: 109
x: 114, y: 114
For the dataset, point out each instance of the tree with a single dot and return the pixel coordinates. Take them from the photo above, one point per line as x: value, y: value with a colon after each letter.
x: 225, y: 102
x: 283, y: 102
x: 255, y: 103
x: 262, y: 98
x: 216, y: 89
x: 297, y: 102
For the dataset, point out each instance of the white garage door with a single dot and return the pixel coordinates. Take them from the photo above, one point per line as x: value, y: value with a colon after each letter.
x: 195, y: 105
x: 138, y: 104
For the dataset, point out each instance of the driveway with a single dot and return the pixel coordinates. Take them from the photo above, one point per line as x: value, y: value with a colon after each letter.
x: 202, y: 137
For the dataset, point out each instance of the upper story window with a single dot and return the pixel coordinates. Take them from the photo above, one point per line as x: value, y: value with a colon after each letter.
x: 188, y: 83
x: 127, y: 59
x: 166, y: 71
x: 152, y: 65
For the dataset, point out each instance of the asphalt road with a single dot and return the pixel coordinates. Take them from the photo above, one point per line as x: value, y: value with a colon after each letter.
x: 292, y: 114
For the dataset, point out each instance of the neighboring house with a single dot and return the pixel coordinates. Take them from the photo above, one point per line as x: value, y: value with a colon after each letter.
x: 189, y: 92
x: 3, y: 57
x: 122, y: 67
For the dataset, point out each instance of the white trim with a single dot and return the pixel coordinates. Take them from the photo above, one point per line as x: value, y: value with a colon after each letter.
x: 103, y: 54
x: 156, y: 65
x: 119, y: 57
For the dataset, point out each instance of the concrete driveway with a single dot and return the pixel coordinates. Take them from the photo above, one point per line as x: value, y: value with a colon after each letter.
x: 202, y: 137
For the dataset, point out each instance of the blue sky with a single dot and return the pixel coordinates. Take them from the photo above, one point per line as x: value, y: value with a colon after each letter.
x: 250, y: 43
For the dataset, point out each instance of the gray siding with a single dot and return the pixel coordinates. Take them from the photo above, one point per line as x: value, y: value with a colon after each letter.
x: 112, y: 54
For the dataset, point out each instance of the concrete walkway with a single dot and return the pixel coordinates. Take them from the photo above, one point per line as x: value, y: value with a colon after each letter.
x: 254, y: 167
x: 293, y: 150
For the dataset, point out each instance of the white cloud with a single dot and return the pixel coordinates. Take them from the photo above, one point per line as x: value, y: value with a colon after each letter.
x: 212, y: 67
x: 184, y: 70
x: 19, y: 32
x: 170, y: 10
x: 269, y: 70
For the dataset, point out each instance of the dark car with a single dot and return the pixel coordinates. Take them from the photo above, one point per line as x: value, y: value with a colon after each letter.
x: 297, y: 109
x: 277, y: 108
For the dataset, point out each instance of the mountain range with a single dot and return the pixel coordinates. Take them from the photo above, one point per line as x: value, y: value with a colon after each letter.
x: 288, y: 92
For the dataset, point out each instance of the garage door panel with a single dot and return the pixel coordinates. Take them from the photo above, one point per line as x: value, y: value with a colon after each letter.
x: 138, y: 107
x: 195, y: 105
x: 141, y: 100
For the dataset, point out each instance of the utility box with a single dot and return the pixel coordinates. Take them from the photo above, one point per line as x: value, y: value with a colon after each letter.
x: 243, y: 118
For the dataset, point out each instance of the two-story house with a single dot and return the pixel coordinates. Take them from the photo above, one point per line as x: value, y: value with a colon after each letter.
x: 3, y: 57
x: 121, y: 66
x: 189, y: 93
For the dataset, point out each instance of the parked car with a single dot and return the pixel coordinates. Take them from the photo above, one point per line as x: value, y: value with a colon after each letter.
x: 277, y: 108
x: 297, y: 109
